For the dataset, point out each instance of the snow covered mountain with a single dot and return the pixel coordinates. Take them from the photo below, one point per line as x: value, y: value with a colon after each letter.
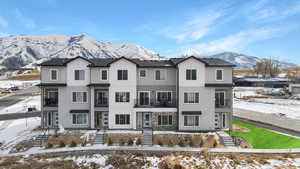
x: 26, y: 50
x: 245, y: 62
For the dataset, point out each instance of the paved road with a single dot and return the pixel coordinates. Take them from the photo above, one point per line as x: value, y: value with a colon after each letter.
x: 269, y: 127
x: 13, y: 116
x: 17, y: 96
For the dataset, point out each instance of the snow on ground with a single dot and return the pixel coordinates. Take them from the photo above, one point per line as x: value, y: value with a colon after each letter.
x: 17, y: 83
x: 21, y: 107
x: 17, y: 131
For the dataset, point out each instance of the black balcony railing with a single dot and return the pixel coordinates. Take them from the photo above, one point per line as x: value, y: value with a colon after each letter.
x: 155, y: 103
x: 103, y: 102
x: 51, y: 102
x: 223, y: 103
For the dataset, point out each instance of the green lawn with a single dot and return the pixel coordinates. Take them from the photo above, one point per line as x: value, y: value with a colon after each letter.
x: 261, y: 138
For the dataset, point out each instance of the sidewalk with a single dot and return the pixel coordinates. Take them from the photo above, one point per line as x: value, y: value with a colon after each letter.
x: 102, y: 148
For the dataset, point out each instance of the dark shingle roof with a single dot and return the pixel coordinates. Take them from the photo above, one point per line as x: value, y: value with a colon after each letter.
x: 105, y: 62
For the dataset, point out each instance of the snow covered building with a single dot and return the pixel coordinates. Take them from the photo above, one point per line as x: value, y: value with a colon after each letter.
x: 181, y: 94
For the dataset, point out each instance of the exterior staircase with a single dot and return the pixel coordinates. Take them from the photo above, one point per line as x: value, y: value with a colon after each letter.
x: 227, y: 139
x: 39, y: 140
x: 99, y: 138
x: 148, y: 137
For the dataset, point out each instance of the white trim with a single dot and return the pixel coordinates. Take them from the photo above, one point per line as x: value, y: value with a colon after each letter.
x: 117, y: 91
x: 145, y: 91
x: 221, y: 91
x: 82, y: 97
x: 140, y: 73
x: 106, y: 74
x: 191, y: 74
x: 191, y: 92
x: 168, y: 120
x: 160, y: 70
x: 155, y: 109
x: 156, y: 97
x: 56, y: 75
x: 216, y: 71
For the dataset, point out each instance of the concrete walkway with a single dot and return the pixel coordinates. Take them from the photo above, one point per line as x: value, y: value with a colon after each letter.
x: 101, y: 148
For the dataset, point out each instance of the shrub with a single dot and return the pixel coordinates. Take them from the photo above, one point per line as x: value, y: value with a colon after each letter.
x: 202, y: 140
x: 159, y: 141
x: 170, y: 143
x: 110, y: 142
x: 121, y: 142
x: 181, y: 143
x: 73, y: 144
x: 192, y: 141
x: 61, y: 143
x: 130, y: 141
x: 138, y: 141
x: 48, y: 145
x: 83, y: 144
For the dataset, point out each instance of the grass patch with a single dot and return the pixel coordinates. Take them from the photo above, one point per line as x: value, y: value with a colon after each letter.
x: 25, y: 77
x: 261, y: 138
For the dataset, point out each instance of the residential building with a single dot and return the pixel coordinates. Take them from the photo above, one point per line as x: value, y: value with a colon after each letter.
x: 180, y: 94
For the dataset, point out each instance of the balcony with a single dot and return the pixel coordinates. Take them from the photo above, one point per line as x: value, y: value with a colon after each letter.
x: 148, y: 103
x: 223, y: 103
x: 103, y: 102
x: 51, y: 102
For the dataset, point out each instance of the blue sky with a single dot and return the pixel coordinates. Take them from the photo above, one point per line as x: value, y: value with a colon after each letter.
x: 262, y: 28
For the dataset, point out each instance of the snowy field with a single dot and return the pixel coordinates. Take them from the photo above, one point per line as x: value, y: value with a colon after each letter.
x: 286, y: 107
x: 21, y: 107
x: 17, y: 83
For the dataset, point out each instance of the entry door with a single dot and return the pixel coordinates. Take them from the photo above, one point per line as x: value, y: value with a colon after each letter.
x: 98, y: 119
x: 49, y: 119
x: 144, y: 98
x: 146, y: 120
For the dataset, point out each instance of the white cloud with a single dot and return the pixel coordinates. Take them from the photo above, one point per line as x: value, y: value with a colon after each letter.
x: 235, y: 42
x: 194, y: 28
x: 3, y: 34
x: 27, y: 22
x: 3, y: 22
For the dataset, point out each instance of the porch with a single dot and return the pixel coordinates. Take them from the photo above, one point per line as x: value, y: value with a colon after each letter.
x: 156, y: 120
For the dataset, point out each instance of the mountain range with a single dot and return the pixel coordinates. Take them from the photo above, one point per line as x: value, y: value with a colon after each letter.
x: 27, y: 51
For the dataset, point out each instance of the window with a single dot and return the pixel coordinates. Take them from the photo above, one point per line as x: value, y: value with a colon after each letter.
x: 79, y: 74
x: 191, y: 120
x: 219, y: 74
x: 220, y: 98
x: 101, y: 97
x: 191, y: 97
x: 104, y: 75
x: 164, y: 96
x: 142, y: 73
x: 122, y: 119
x: 79, y: 118
x: 54, y: 75
x: 122, y: 96
x: 79, y: 97
x: 160, y: 75
x: 191, y: 74
x: 122, y: 74
x: 164, y: 120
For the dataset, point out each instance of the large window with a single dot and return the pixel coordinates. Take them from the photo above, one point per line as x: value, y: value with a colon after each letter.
x: 191, y: 97
x: 219, y: 74
x: 101, y: 97
x: 164, y: 96
x: 79, y: 74
x: 160, y: 74
x: 79, y: 97
x: 122, y: 119
x: 165, y: 120
x: 191, y: 120
x: 122, y: 96
x: 191, y: 74
x: 104, y: 75
x: 122, y: 74
x: 79, y: 118
x: 220, y: 98
x: 54, y: 75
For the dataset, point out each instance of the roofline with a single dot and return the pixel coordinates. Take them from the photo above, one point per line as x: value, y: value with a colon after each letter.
x: 86, y: 59
x: 199, y: 59
x: 123, y: 57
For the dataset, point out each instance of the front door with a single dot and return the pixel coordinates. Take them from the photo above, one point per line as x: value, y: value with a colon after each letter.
x: 144, y: 98
x: 98, y: 119
x: 146, y: 120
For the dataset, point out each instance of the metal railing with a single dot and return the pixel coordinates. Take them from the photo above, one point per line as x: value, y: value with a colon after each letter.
x: 101, y: 102
x: 154, y: 103
x: 51, y: 102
